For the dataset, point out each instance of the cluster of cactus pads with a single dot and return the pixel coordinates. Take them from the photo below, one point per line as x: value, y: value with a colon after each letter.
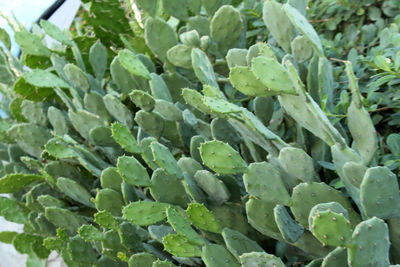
x: 159, y: 142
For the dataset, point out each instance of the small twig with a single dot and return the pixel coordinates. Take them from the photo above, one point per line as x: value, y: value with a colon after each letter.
x: 380, y: 109
x: 223, y: 80
x: 337, y: 59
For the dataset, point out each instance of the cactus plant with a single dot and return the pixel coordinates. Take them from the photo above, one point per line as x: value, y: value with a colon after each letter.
x: 133, y: 147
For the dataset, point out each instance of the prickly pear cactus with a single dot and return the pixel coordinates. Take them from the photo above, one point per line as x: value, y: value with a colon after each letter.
x: 204, y: 133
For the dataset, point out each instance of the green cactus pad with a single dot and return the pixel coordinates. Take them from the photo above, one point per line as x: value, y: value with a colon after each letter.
x: 202, y: 218
x: 180, y: 56
x: 106, y: 220
x: 159, y: 37
x: 123, y: 136
x: 330, y: 206
x: 236, y: 57
x: 109, y: 200
x: 306, y: 195
x: 221, y: 106
x: 190, y: 38
x: 230, y: 215
x: 94, y: 103
x: 64, y: 218
x: 13, y: 211
x: 315, y: 263
x: 264, y: 221
x: 195, y: 143
x: 195, y: 99
x: 132, y: 171
x: 273, y: 75
x: 164, y: 158
x: 212, y: 91
x: 217, y: 256
x: 301, y: 49
x: 354, y: 172
x: 337, y: 257
x: 129, y: 235
x: 167, y: 189
x: 118, y: 110
x: 159, y: 88
x: 145, y: 212
x: 38, y: 85
x: 176, y: 8
x: 142, y: 259
x: 222, y: 158
x: 124, y: 80
x: 129, y: 192
x: 180, y: 246
x: 102, y: 136
x: 159, y: 263
x: 303, y: 26
x: 192, y: 190
x: 289, y: 228
x: 370, y: 244
x: 31, y: 44
x: 340, y: 156
x: 238, y: 244
x: 77, y: 78
x: 203, y: 68
x: 142, y: 100
x: 379, y: 193
x: 98, y: 59
x: 147, y: 155
x: 75, y: 191
x: 244, y: 80
x: 57, y: 121
x: 50, y: 201
x: 29, y: 137
x: 214, y: 187
x: 262, y: 180
x: 226, y: 35
x: 112, y: 245
x: 56, y: 33
x: 151, y: 123
x: 189, y: 165
x: 157, y: 232
x: 362, y: 129
x: 331, y: 228
x: 7, y: 237
x: 133, y: 64
x: 199, y: 23
x: 168, y: 110
x: 182, y: 226
x: 81, y: 251
x: 13, y: 182
x: 150, y: 6
x: 33, y: 112
x: 90, y: 233
x: 278, y: 24
x: 83, y: 121
x: 297, y: 163
x: 264, y: 109
x: 256, y: 259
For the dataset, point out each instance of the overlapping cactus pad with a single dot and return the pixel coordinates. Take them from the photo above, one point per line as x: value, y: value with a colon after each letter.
x: 214, y: 133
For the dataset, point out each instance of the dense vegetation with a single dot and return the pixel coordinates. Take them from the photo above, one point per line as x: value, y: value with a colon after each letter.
x: 210, y: 133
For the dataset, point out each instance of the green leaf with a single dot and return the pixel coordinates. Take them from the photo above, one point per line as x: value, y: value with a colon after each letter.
x: 382, y: 63
x: 132, y: 64
x: 14, y: 182
x: 5, y: 38
x: 56, y: 33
